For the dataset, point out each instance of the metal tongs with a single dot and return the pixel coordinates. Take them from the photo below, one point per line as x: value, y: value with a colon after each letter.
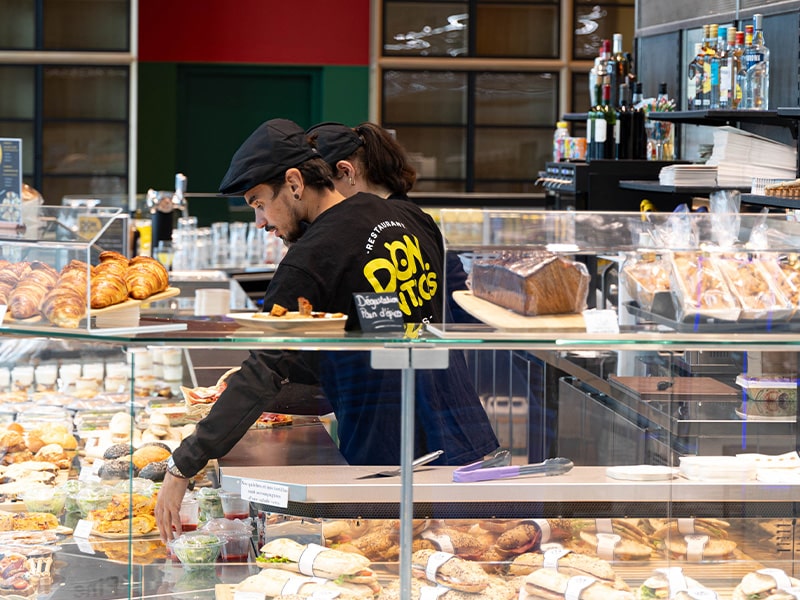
x: 499, y: 467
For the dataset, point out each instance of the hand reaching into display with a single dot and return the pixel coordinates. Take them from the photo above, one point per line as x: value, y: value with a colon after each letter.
x: 168, y: 506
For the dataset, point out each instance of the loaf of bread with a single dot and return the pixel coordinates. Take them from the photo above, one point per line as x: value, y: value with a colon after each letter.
x: 538, y: 283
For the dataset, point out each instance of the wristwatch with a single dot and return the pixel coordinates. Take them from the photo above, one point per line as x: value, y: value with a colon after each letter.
x: 173, y: 469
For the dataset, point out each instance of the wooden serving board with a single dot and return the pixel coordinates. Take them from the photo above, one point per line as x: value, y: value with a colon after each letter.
x: 680, y: 388
x: 507, y: 320
x: 131, y: 302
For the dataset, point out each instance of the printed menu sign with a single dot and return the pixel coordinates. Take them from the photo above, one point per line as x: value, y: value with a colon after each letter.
x: 11, y: 180
x: 379, y: 312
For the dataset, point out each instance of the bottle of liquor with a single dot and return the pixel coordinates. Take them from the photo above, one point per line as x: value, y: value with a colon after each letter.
x: 604, y: 128
x: 695, y: 78
x: 725, y: 56
x: 599, y: 75
x: 624, y: 118
x: 620, y: 69
x: 747, y: 96
x: 638, y: 118
x: 717, y: 59
x: 709, y: 51
x: 758, y: 67
x: 739, y: 76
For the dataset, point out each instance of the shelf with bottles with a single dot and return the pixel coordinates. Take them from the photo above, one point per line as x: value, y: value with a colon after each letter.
x: 654, y: 186
x: 783, y: 117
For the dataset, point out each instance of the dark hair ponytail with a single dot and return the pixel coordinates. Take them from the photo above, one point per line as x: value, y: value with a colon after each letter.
x: 385, y: 160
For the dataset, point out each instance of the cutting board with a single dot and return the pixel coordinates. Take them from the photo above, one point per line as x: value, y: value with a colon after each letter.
x: 682, y: 388
x: 507, y: 320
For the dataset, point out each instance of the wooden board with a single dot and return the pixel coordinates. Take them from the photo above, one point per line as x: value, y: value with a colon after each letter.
x: 676, y: 388
x: 507, y: 320
x: 131, y: 302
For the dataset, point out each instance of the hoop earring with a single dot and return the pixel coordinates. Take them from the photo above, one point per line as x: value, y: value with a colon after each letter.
x: 351, y: 180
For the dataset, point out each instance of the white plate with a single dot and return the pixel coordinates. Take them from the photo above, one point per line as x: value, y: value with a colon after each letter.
x: 290, y: 322
x: 642, y: 472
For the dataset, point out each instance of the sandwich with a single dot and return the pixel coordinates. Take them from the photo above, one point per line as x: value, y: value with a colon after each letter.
x: 449, y: 570
x: 765, y: 584
x: 713, y: 528
x: 711, y: 549
x: 277, y: 582
x: 456, y: 542
x: 550, y: 584
x: 317, y: 561
x: 657, y: 588
x: 571, y: 564
x: 522, y: 538
x: 497, y: 589
x: 624, y: 549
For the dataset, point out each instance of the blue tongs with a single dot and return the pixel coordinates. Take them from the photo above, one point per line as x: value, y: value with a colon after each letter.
x: 499, y: 466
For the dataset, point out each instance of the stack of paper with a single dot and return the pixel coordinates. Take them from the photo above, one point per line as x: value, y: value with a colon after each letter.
x: 739, y: 156
x: 688, y: 175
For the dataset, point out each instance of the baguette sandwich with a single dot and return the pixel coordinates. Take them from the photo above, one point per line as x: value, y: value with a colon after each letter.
x: 277, y: 582
x: 550, y: 584
x: 317, y: 561
x: 497, y: 589
x: 571, y: 564
x: 764, y: 585
x: 449, y: 570
x: 713, y: 528
x: 656, y: 587
x: 624, y: 549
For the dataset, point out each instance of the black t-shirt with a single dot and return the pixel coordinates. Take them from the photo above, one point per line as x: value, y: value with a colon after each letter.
x: 363, y: 244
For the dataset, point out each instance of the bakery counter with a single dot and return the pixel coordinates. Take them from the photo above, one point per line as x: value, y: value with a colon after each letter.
x: 343, y: 492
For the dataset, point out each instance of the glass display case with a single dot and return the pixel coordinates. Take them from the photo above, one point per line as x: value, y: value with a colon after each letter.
x: 677, y: 430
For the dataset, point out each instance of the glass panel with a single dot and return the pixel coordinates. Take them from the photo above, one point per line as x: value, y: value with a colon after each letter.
x: 17, y: 27
x: 516, y: 99
x: 430, y: 185
x: 99, y: 148
x: 86, y: 25
x: 425, y: 29
x: 18, y: 84
x: 86, y: 92
x: 517, y: 31
x: 24, y: 131
x: 595, y: 22
x: 507, y: 187
x: 55, y: 188
x: 424, y: 97
x: 511, y: 152
x: 436, y: 152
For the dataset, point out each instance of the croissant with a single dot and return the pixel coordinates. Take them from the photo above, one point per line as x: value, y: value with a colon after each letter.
x: 26, y: 297
x: 76, y: 276
x: 64, y: 307
x: 108, y: 288
x: 146, y: 276
x: 111, y: 255
x: 13, y: 272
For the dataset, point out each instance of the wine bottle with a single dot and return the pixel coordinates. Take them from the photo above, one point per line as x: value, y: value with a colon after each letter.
x: 619, y: 71
x: 758, y: 68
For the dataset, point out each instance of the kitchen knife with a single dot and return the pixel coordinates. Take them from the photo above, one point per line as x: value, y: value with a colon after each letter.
x: 422, y: 460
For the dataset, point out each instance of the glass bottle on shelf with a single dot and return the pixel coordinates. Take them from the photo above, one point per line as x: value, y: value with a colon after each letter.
x: 606, y: 130
x: 619, y: 70
x: 695, y: 79
x: 709, y: 51
x: 738, y: 74
x: 718, y: 86
x: 758, y: 68
x: 599, y: 74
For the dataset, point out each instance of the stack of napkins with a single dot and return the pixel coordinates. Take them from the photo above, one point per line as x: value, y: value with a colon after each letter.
x: 739, y: 156
x: 688, y: 175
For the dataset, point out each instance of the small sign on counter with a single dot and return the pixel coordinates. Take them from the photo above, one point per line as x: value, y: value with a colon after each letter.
x: 10, y: 180
x: 264, y: 492
x: 379, y: 311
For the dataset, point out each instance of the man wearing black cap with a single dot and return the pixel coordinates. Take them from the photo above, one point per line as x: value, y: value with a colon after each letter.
x: 359, y: 244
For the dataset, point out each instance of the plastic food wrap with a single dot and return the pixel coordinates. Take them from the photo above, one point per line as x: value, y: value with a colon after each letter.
x: 754, y: 290
x: 700, y: 288
x: 644, y: 277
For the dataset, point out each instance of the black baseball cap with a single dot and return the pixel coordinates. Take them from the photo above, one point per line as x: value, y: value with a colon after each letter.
x: 334, y: 141
x: 276, y: 146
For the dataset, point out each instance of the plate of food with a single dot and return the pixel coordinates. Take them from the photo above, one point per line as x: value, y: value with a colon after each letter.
x: 291, y: 321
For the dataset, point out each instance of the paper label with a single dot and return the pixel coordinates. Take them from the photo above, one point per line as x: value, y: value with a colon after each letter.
x: 782, y: 580
x: 552, y: 556
x: 436, y: 560
x: 576, y: 585
x: 606, y: 542
x: 702, y: 594
x: 601, y: 321
x: 694, y: 547
x: 83, y: 529
x: 443, y: 542
x: 603, y: 526
x: 293, y: 585
x: 265, y: 492
x: 84, y: 545
x: 307, y: 558
x: 544, y: 527
x: 686, y: 526
x: 675, y: 579
x: 432, y: 593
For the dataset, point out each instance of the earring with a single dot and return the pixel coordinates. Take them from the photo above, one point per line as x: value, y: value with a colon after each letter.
x: 351, y: 180
x: 297, y: 196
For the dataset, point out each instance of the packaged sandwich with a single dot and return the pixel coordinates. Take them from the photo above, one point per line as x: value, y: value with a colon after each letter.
x: 569, y: 563
x: 700, y: 288
x: 550, y: 584
x: 645, y: 276
x: 448, y: 570
x: 318, y: 561
x: 754, y: 289
x: 615, y: 539
x: 696, y: 540
x: 766, y: 584
x: 670, y: 583
x: 278, y: 582
x: 496, y: 589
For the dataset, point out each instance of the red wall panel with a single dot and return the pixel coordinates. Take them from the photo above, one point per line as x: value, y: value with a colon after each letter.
x: 302, y: 32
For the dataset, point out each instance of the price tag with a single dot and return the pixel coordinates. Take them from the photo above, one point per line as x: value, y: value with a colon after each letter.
x: 782, y: 580
x: 436, y: 560
x: 675, y: 579
x: 576, y: 585
x: 83, y: 529
x: 544, y: 527
x: 552, y: 556
x: 307, y: 558
x: 264, y: 492
x: 606, y: 542
x: 601, y: 321
x: 694, y: 547
x: 686, y: 526
x: 443, y: 542
x: 702, y: 594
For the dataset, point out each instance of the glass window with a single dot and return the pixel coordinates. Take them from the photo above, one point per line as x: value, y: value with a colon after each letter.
x: 20, y: 103
x: 425, y: 28
x: 424, y: 97
x: 86, y: 25
x: 54, y: 188
x: 436, y: 152
x: 18, y: 24
x: 79, y: 92
x: 516, y: 98
x: 595, y: 22
x: 99, y: 148
x: 517, y: 30
x: 512, y: 152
